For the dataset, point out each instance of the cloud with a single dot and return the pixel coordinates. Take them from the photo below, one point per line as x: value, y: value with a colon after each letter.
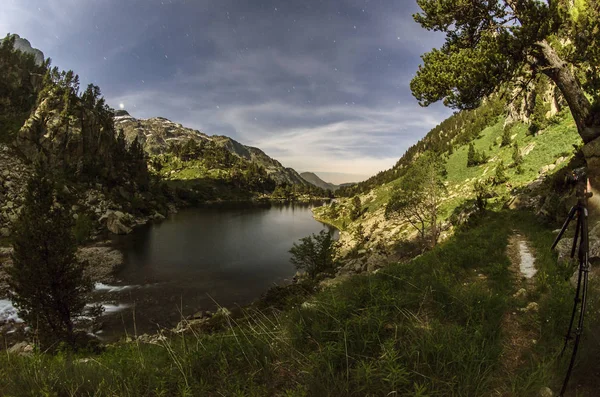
x: 319, y: 85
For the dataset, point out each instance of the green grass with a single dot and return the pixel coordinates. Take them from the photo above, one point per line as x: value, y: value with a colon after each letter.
x: 557, y: 140
x: 431, y: 327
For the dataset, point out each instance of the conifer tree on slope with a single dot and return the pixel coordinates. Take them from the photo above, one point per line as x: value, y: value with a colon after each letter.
x: 47, y: 283
x: 489, y: 43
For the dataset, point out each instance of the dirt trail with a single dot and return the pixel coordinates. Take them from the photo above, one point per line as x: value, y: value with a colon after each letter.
x: 519, y: 325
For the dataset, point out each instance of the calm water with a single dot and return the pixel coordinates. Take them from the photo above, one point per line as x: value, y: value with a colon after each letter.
x: 201, y: 257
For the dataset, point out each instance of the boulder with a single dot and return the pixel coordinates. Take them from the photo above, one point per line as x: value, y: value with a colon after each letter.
x: 22, y: 349
x: 158, y: 216
x: 376, y: 261
x: 545, y: 392
x: 114, y: 223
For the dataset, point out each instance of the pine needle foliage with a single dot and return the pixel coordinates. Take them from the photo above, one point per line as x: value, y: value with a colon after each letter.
x: 48, y: 285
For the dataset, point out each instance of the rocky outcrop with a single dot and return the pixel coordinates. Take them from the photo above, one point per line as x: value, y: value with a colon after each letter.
x: 157, y: 133
x: 521, y: 107
x: 80, y: 143
x: 14, y: 174
x: 115, y: 222
x: 24, y: 45
x: 94, y: 200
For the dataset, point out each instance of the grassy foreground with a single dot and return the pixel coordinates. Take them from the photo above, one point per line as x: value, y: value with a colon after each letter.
x: 433, y: 327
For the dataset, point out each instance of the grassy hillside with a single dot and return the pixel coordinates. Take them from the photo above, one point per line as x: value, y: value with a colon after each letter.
x: 544, y: 153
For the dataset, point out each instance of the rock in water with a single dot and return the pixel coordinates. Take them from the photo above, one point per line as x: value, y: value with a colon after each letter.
x: 114, y: 223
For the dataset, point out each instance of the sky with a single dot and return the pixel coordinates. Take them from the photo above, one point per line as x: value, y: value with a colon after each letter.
x: 322, y: 86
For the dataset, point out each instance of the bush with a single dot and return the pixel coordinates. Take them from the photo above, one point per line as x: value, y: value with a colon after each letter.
x: 475, y: 157
x: 500, y: 175
x: 506, y: 136
x: 83, y: 228
x: 356, y: 210
x: 482, y: 193
x: 315, y: 254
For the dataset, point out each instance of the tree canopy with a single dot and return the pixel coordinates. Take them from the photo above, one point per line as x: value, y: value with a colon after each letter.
x: 489, y: 43
x: 417, y: 198
x: 315, y: 254
x: 48, y: 284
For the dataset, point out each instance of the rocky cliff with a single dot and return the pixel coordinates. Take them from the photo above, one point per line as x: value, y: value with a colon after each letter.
x: 24, y: 45
x: 157, y: 134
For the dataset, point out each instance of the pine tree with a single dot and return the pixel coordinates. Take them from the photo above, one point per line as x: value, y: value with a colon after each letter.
x: 500, y: 175
x: 48, y: 285
x: 516, y: 156
x: 356, y: 210
x: 471, y: 156
x: 505, y: 137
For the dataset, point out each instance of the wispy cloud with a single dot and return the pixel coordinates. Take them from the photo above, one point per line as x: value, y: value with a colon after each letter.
x: 317, y: 85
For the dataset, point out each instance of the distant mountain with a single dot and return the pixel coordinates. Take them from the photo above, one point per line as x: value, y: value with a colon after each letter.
x: 315, y: 180
x: 157, y: 134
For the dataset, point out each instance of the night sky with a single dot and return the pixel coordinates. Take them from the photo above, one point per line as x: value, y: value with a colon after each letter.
x: 321, y: 86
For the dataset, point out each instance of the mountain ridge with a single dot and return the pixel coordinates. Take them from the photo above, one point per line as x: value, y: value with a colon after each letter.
x: 313, y: 178
x: 158, y: 134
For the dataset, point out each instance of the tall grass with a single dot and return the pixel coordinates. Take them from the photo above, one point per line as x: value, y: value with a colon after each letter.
x: 431, y: 327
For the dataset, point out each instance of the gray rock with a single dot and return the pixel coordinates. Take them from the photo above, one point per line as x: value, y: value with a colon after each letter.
x: 158, y: 216
x: 114, y: 223
x: 376, y: 261
x: 5, y: 232
x: 545, y: 392
x: 124, y: 193
x: 22, y: 349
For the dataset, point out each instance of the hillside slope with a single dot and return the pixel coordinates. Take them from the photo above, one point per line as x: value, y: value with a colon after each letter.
x: 543, y: 154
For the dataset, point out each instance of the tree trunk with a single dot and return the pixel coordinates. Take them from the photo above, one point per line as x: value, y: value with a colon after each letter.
x: 588, y: 123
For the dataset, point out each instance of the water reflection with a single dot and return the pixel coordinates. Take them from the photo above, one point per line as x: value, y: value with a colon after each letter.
x: 229, y: 253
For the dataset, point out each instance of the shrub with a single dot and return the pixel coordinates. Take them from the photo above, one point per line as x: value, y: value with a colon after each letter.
x: 500, y: 175
x: 83, y: 228
x: 315, y: 254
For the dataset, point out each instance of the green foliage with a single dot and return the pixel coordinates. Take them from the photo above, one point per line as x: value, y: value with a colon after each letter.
x: 202, y: 164
x: 429, y: 326
x: 356, y: 210
x: 459, y: 129
x: 20, y: 79
x: 418, y: 196
x: 491, y: 45
x: 333, y: 210
x: 505, y: 141
x: 83, y: 228
x: 500, y: 176
x: 477, y: 56
x: 475, y: 157
x: 47, y: 282
x: 540, y: 108
x: 517, y: 157
x: 315, y: 254
x: 359, y: 235
x: 482, y: 193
